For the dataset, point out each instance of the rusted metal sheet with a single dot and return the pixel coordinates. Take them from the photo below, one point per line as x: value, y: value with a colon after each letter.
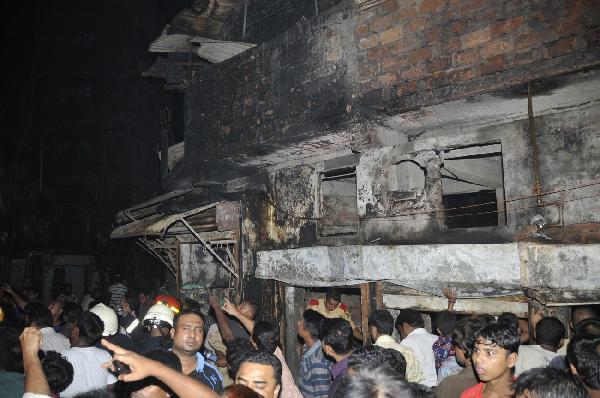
x: 228, y: 216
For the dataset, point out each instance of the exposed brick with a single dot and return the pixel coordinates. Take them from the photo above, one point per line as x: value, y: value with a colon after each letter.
x: 569, y: 27
x: 390, y: 6
x: 476, y: 38
x: 429, y: 6
x: 387, y: 80
x: 378, y: 53
x: 445, y: 78
x: 433, y: 36
x: 467, y: 57
x: 407, y: 13
x: 390, y: 35
x: 416, y: 25
x: 492, y: 65
x: 393, y: 63
x: 413, y: 72
x: 496, y: 48
x: 454, y: 44
x: 419, y: 55
x: 440, y: 63
x: 507, y: 25
x: 406, y: 88
x: 383, y: 22
x: 561, y: 47
x: 362, y: 31
x: 526, y: 41
x: 368, y: 42
x: 399, y: 46
x: 469, y: 6
x: 458, y: 26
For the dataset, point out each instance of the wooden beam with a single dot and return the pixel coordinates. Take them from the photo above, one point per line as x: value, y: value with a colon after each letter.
x: 364, y: 312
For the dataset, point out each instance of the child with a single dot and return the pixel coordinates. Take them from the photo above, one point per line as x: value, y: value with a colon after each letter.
x: 494, y: 358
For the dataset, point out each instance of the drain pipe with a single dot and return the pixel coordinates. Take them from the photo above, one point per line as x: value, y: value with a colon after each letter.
x: 537, y: 189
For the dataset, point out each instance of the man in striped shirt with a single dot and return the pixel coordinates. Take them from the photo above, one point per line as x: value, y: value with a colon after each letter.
x: 315, y: 369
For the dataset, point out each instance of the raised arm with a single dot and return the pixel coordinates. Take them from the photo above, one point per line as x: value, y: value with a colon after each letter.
x: 232, y: 310
x: 142, y: 367
x: 35, y: 379
x: 18, y: 299
x: 451, y: 295
x: 222, y: 321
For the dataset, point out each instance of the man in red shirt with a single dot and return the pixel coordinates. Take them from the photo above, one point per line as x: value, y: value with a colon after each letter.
x: 494, y: 358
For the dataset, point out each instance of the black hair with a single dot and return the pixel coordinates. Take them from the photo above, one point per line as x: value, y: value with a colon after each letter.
x: 312, y: 322
x: 90, y: 327
x: 500, y: 334
x: 583, y: 312
x: 165, y: 357
x: 588, y: 326
x: 240, y: 391
x: 58, y: 370
x: 68, y: 285
x: 583, y: 352
x: 339, y: 336
x: 188, y: 312
x: 379, y: 382
x: 265, y: 358
x: 266, y: 336
x: 132, y: 298
x: 445, y: 322
x: 42, y: 317
x: 464, y: 333
x: 11, y: 359
x: 550, y: 331
x: 94, y: 303
x: 373, y: 356
x: 333, y: 294
x: 487, y: 318
x: 549, y: 383
x: 30, y: 308
x: 189, y: 303
x: 237, y: 350
x: 420, y: 391
x: 252, y: 304
x: 71, y: 312
x: 383, y: 321
x: 98, y: 393
x: 510, y: 319
x: 410, y: 317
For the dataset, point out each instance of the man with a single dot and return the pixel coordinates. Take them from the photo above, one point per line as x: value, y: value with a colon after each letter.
x: 548, y: 383
x: 315, y: 369
x: 41, y: 319
x: 381, y: 326
x: 372, y: 356
x: 70, y: 314
x: 332, y: 307
x: 188, y: 337
x: 494, y: 357
x: 411, y: 327
x: 111, y: 328
x: 67, y: 295
x: 95, y: 295
x: 338, y: 344
x: 583, y: 353
x: 377, y: 382
x: 57, y: 308
x: 116, y: 291
x: 550, y: 335
x: 87, y: 360
x: 11, y: 376
x: 463, y: 336
x: 261, y: 372
x: 157, y: 324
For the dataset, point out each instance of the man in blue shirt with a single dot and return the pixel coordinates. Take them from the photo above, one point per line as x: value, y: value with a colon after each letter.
x: 315, y: 369
x: 188, y: 337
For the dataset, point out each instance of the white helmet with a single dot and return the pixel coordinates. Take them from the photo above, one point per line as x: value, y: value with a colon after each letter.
x: 109, y: 317
x: 159, y: 315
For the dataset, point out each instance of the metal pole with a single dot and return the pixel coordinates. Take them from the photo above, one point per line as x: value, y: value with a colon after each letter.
x: 245, y: 16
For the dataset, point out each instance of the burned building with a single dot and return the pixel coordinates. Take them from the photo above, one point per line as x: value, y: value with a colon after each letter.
x: 396, y: 146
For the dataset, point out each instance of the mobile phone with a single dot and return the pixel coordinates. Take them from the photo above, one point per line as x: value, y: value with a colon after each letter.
x: 119, y: 368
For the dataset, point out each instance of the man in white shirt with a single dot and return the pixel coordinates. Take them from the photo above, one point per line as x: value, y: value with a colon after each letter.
x: 411, y: 327
x: 87, y: 360
x: 41, y: 319
x: 550, y: 336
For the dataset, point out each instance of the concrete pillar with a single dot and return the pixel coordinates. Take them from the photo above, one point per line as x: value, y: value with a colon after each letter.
x: 293, y: 307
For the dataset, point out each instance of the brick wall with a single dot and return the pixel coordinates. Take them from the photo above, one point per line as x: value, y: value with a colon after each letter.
x: 399, y: 55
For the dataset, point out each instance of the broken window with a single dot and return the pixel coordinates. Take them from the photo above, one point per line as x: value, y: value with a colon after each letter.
x: 473, y: 186
x: 338, y: 202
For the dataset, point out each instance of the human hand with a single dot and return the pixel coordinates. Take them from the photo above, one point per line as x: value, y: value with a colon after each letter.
x: 450, y: 294
x: 141, y: 367
x: 230, y: 308
x: 213, y: 301
x: 31, y: 341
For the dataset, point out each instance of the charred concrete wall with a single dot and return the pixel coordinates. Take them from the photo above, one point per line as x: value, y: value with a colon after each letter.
x: 393, y: 57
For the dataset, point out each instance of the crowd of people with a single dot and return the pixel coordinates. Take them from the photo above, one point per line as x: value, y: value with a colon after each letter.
x: 122, y: 342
